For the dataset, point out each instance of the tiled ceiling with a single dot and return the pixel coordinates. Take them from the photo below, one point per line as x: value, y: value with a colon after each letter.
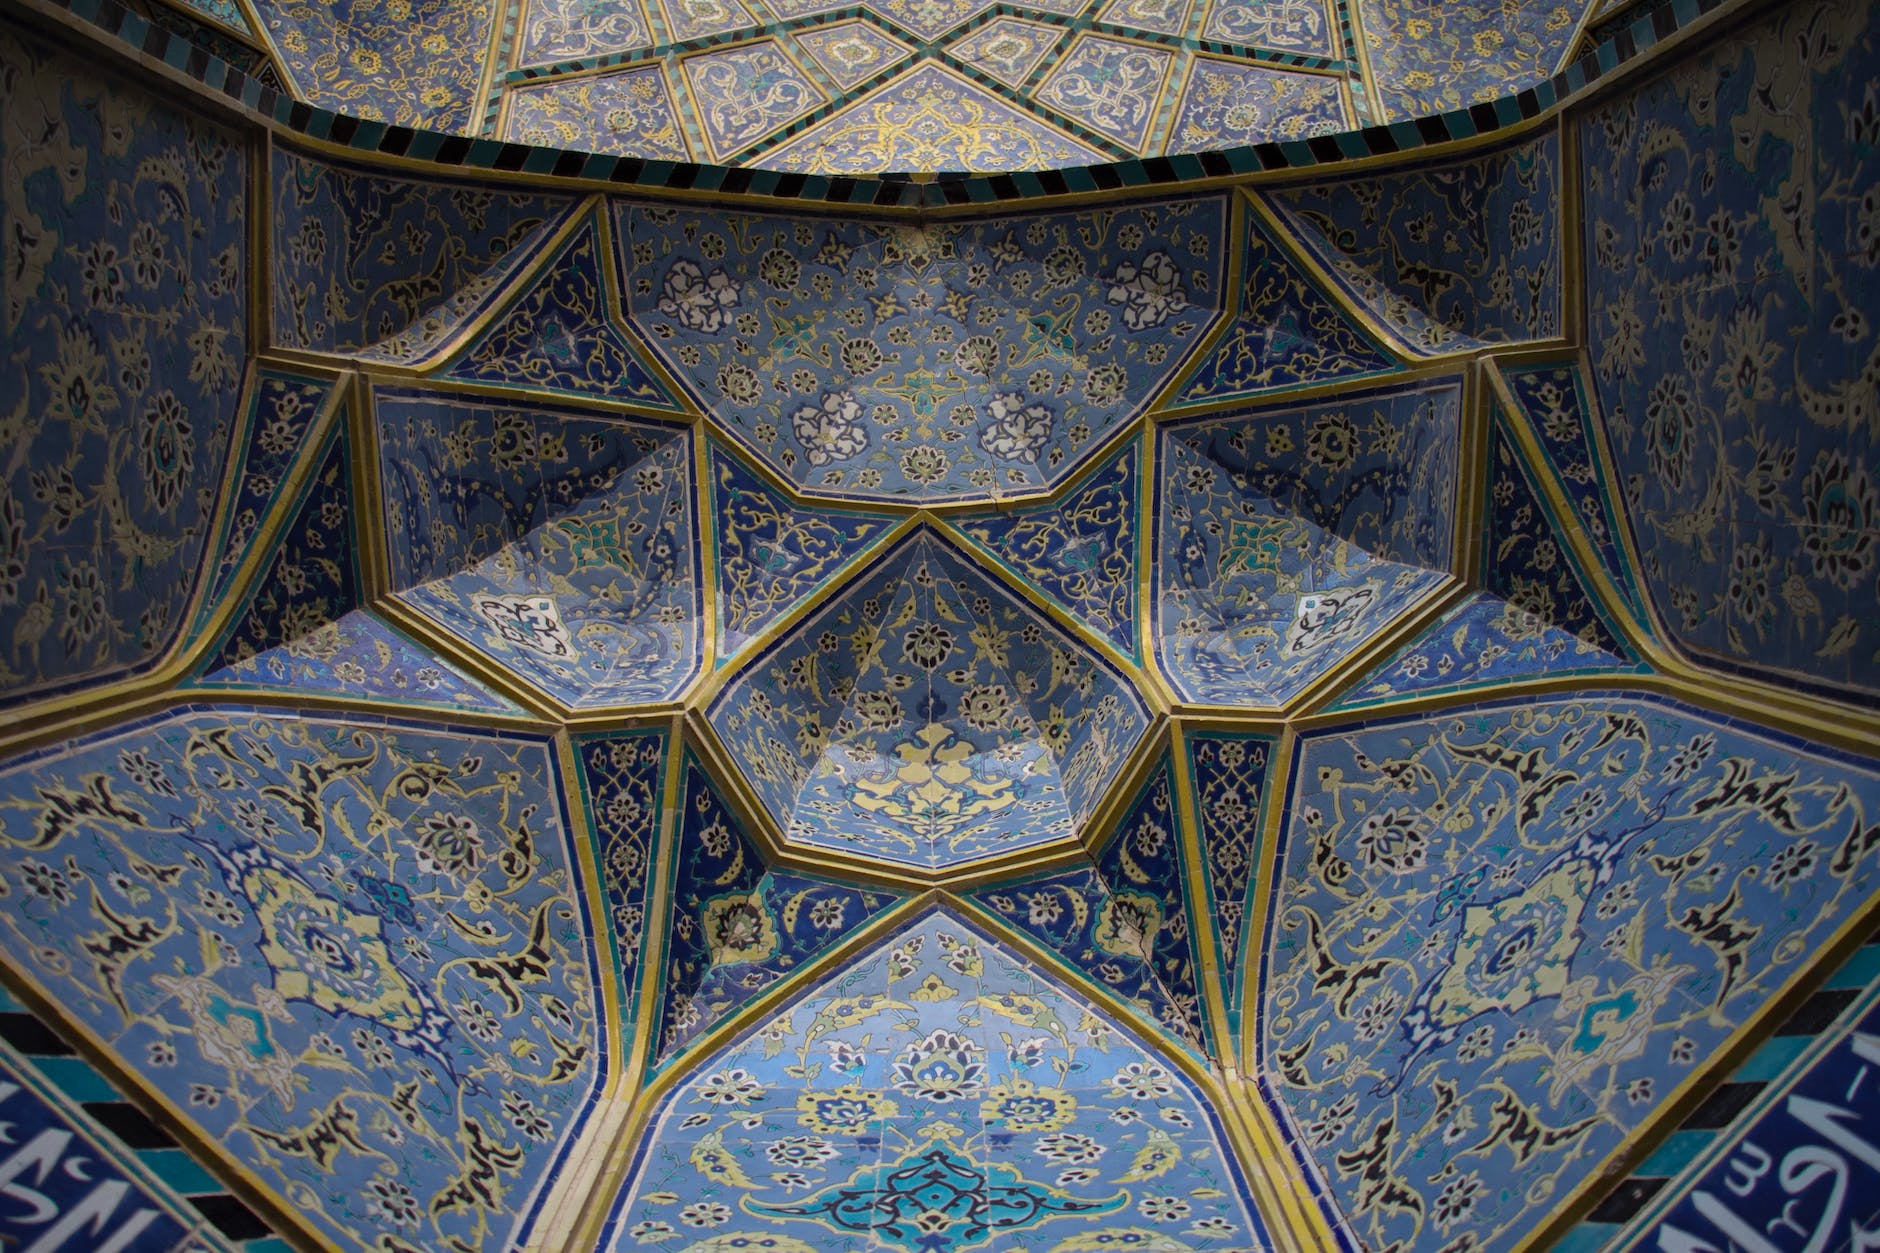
x: 829, y: 87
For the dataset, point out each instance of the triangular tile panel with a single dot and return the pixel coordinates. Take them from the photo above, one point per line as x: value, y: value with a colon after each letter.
x: 1489, y: 273
x: 1080, y: 551
x: 1484, y: 642
x: 1555, y: 401
x: 280, y: 416
x: 312, y: 578
x: 737, y: 925
x: 1229, y: 774
x: 559, y: 337
x: 772, y: 553
x: 929, y: 119
x: 1286, y: 332
x: 1110, y: 85
x: 1527, y: 562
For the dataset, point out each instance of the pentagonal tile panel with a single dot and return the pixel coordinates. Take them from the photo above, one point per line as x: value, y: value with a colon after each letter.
x: 928, y: 717
x: 935, y: 362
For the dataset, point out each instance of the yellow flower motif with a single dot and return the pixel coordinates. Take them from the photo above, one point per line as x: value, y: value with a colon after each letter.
x: 933, y: 988
x: 1023, y: 1106
x: 847, y: 1111
x: 1487, y: 43
x: 366, y: 59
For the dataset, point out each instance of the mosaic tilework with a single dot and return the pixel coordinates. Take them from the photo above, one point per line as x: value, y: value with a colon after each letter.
x: 569, y: 30
x: 123, y: 380
x: 1227, y: 103
x: 281, y: 412
x: 559, y: 336
x: 212, y: 895
x: 1484, y: 642
x: 407, y: 62
x: 1816, y: 1062
x: 942, y: 361
x: 224, y: 11
x: 1498, y: 938
x: 738, y: 927
x: 928, y: 19
x: 771, y: 553
x: 600, y: 113
x: 1377, y: 469
x: 66, y: 1094
x: 1526, y: 560
x: 1122, y: 920
x: 852, y: 52
x: 1110, y: 85
x: 929, y: 119
x: 1434, y: 58
x: 1554, y: 401
x: 389, y: 267
x: 1267, y: 571
x: 1301, y: 26
x: 928, y: 717
x: 621, y: 782
x: 1728, y: 292
x: 214, y: 38
x: 937, y: 1093
x: 1229, y: 774
x: 1162, y: 17
x: 695, y: 19
x: 1079, y: 551
x: 747, y: 93
x: 1450, y: 256
x: 312, y: 576
x: 1007, y: 48
x: 1285, y: 331
x: 561, y: 546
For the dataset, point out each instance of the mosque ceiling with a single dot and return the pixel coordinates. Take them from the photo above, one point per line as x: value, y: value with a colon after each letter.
x: 1320, y: 715
x: 900, y: 85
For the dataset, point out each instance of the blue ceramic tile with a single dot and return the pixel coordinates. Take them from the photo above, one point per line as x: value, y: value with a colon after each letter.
x: 927, y: 716
x: 389, y: 267
x: 1732, y: 325
x: 559, y: 337
x: 1285, y: 332
x: 1080, y: 551
x: 950, y: 361
x: 1229, y: 775
x: 1535, y: 918
x: 560, y: 545
x: 1093, y: 1138
x: 771, y: 552
x: 1448, y: 256
x: 407, y: 62
x: 622, y: 783
x: 126, y: 334
x: 1433, y: 59
x: 233, y: 923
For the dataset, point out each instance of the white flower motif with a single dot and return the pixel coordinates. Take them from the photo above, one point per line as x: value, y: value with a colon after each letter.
x: 1149, y: 290
x: 833, y: 432
x: 698, y: 302
x: 1018, y: 431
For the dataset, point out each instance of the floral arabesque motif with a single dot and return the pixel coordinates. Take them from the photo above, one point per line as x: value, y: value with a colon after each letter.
x: 1229, y: 779
x: 1110, y: 86
x: 738, y: 926
x: 965, y: 1074
x: 1433, y: 59
x: 1448, y: 256
x: 929, y: 362
x: 621, y: 780
x: 1081, y: 551
x: 388, y: 267
x: 772, y: 553
x: 1731, y: 239
x: 1122, y: 920
x: 126, y: 333
x: 745, y: 93
x: 929, y: 717
x: 229, y: 917
x: 1229, y: 103
x: 561, y: 545
x: 1498, y: 936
